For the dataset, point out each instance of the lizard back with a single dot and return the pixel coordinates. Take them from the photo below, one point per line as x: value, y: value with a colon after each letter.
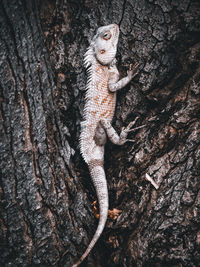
x: 100, y: 103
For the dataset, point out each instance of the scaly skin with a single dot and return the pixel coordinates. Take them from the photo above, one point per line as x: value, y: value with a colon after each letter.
x: 103, y: 82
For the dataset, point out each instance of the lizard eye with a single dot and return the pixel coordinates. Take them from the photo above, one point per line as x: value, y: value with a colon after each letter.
x: 107, y: 35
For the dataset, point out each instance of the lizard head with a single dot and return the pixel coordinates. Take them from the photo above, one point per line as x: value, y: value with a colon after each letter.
x: 105, y: 43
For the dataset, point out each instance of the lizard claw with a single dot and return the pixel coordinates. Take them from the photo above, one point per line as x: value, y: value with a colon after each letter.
x: 131, y: 124
x: 128, y: 129
x: 134, y: 67
x: 136, y: 128
x: 130, y: 140
x: 132, y: 70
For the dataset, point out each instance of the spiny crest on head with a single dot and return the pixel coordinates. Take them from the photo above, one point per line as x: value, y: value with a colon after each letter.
x: 89, y: 54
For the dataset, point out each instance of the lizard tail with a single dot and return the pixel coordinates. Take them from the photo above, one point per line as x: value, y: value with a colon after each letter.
x: 99, y: 180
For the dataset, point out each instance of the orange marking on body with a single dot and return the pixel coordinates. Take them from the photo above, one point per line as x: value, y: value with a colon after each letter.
x: 96, y: 99
x: 110, y: 101
x: 110, y: 113
x: 90, y: 125
x: 104, y: 100
x: 97, y: 84
x: 104, y: 84
x: 104, y: 113
x: 99, y: 69
x: 94, y: 113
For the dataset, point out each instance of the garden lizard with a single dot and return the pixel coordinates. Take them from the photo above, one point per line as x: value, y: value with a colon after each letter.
x: 102, y: 84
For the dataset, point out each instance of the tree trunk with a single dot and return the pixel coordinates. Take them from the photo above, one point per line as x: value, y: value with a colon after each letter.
x: 46, y: 216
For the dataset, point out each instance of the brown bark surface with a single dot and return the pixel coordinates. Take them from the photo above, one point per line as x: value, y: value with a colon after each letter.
x: 46, y: 216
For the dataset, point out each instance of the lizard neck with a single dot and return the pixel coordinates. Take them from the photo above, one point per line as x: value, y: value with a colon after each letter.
x: 91, y: 60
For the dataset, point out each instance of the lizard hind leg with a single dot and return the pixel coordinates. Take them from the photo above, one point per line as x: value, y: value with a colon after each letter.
x: 122, y: 138
x: 100, y: 135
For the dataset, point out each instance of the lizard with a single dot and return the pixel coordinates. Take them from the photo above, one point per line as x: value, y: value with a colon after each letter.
x: 100, y: 100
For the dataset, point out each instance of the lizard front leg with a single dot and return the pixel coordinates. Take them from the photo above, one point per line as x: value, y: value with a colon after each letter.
x: 112, y: 134
x: 131, y: 73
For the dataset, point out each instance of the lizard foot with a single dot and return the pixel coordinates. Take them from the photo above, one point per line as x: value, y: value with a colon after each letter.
x: 128, y: 129
x: 132, y: 70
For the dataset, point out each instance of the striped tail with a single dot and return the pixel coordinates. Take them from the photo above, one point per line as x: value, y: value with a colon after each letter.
x: 99, y: 180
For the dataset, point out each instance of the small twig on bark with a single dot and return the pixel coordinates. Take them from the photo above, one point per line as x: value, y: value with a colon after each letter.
x: 148, y: 178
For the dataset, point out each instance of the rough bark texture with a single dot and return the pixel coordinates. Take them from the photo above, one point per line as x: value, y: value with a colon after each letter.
x: 46, y: 216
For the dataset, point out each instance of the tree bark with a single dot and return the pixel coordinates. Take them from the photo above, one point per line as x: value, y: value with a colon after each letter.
x: 46, y: 216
